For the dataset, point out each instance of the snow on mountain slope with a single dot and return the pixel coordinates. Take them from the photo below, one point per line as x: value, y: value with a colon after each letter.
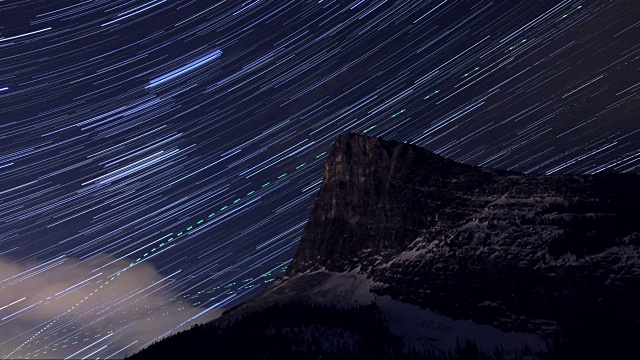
x: 419, y: 328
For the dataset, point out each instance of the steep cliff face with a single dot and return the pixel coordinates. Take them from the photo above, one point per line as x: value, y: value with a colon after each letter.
x: 519, y: 252
x: 377, y: 196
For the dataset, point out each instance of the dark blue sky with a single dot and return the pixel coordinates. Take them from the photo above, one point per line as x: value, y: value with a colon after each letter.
x: 191, y: 135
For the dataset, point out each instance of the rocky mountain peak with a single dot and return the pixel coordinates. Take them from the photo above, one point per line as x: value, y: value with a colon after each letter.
x: 364, y: 176
x: 498, y: 247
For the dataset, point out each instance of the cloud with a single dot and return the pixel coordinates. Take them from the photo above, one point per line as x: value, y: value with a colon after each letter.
x: 67, y: 307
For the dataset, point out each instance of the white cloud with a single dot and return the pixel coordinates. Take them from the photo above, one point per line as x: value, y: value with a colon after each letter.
x: 69, y: 307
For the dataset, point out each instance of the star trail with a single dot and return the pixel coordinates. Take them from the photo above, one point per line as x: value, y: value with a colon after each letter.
x: 158, y: 159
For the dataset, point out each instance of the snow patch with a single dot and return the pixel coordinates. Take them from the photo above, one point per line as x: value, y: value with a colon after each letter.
x: 346, y: 289
x: 425, y: 330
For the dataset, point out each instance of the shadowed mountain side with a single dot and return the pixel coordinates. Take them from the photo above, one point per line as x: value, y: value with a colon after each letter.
x: 298, y: 331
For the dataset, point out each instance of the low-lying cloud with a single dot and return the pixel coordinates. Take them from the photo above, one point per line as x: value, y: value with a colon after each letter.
x: 72, y: 308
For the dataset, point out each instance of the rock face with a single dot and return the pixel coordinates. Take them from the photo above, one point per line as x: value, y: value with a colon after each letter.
x: 518, y: 252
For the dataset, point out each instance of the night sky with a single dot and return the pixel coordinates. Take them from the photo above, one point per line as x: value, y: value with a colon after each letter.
x: 158, y: 159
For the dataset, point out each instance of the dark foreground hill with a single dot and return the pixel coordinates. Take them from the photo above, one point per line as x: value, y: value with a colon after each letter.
x: 410, y: 255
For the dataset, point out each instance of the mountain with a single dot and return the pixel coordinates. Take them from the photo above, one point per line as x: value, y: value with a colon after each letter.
x: 455, y: 238
x: 437, y: 259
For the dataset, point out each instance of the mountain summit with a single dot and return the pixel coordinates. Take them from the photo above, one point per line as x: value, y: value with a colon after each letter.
x: 430, y: 254
x: 511, y: 250
x: 376, y: 197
